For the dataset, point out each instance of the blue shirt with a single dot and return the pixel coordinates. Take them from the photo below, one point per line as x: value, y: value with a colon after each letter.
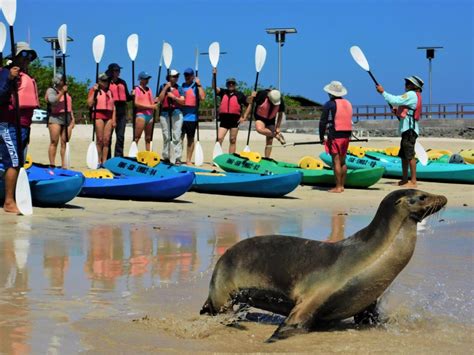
x: 410, y: 100
x: 189, y: 113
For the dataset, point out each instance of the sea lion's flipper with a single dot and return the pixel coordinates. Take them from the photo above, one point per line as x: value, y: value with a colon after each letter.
x: 268, y: 300
x: 207, y: 308
x: 369, y: 316
x: 286, y: 330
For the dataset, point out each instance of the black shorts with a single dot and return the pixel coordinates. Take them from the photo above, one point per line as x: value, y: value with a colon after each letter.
x: 229, y: 121
x: 407, y: 145
x: 188, y: 129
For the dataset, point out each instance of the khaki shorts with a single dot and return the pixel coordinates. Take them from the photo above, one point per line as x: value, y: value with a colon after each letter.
x: 59, y: 119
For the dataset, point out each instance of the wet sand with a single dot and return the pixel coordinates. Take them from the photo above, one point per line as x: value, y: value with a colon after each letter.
x: 130, y: 277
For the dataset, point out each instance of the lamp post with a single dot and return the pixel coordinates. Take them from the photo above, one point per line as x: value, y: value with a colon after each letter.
x: 55, y: 48
x: 430, y: 54
x: 280, y: 36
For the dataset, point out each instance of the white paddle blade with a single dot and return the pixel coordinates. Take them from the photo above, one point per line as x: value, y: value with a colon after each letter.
x: 247, y: 149
x: 167, y: 54
x: 9, y: 10
x: 92, y: 156
x: 22, y: 248
x: 198, y: 155
x: 133, y: 151
x: 67, y: 156
x: 151, y: 146
x: 3, y: 36
x: 98, y: 46
x: 214, y: 52
x: 217, y: 150
x: 359, y: 58
x: 260, y: 56
x: 62, y: 38
x: 421, y: 154
x: 132, y: 46
x: 23, y: 194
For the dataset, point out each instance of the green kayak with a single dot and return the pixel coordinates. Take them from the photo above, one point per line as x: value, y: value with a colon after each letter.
x: 321, y: 177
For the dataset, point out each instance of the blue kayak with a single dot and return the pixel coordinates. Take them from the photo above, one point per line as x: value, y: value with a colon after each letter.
x: 433, y: 171
x: 214, y: 182
x: 50, y: 188
x: 121, y: 187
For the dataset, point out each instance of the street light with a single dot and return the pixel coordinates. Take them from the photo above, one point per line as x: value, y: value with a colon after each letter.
x: 430, y: 54
x: 280, y: 35
x: 55, y: 48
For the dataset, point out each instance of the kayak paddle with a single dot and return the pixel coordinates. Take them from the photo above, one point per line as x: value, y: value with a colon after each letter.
x: 22, y: 190
x: 3, y: 39
x: 98, y: 46
x: 360, y: 59
x: 62, y: 39
x: 309, y: 142
x: 214, y: 52
x: 260, y: 56
x: 132, y: 48
x: 198, y: 153
x: 167, y: 59
x: 157, y: 93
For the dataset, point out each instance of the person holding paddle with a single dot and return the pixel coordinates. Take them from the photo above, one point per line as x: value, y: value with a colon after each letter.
x: 191, y: 88
x: 171, y: 117
x: 145, y: 105
x: 15, y: 74
x: 408, y: 108
x: 230, y: 111
x: 337, y: 118
x: 268, y: 113
x: 55, y: 98
x: 121, y: 96
x: 101, y: 100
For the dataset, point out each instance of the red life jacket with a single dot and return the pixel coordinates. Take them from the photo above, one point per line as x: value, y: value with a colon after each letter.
x: 166, y: 102
x: 58, y: 108
x: 343, y: 119
x: 266, y: 110
x: 230, y: 104
x: 402, y: 111
x: 27, y: 92
x: 118, y: 91
x: 105, y: 101
x: 189, y: 97
x: 144, y: 97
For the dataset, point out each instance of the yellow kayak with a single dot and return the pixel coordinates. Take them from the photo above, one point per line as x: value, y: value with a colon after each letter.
x: 468, y: 155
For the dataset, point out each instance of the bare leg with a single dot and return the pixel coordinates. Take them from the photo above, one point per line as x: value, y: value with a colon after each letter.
x: 99, y: 139
x: 63, y: 147
x: 9, y: 205
x: 412, y: 163
x: 139, y: 127
x: 106, y: 138
x: 221, y: 133
x: 189, y: 151
x: 233, y: 140
x: 404, y: 179
x: 344, y: 172
x: 54, y: 131
x: 148, y: 129
x: 268, y: 150
x: 268, y: 133
x: 338, y: 174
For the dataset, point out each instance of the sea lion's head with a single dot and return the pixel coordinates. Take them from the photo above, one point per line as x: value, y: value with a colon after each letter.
x: 415, y: 204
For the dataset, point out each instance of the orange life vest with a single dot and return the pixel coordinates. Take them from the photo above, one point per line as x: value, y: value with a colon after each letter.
x: 105, y: 101
x: 402, y: 111
x: 166, y: 102
x: 189, y: 97
x: 118, y: 91
x: 27, y: 92
x: 343, y: 119
x: 144, y: 97
x: 266, y: 110
x: 230, y: 104
x: 58, y: 107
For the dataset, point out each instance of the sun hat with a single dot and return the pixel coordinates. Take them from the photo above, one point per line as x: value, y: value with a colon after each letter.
x: 174, y: 72
x: 274, y: 96
x: 230, y: 80
x: 143, y: 75
x: 335, y: 88
x: 57, y: 78
x: 189, y: 71
x: 104, y: 77
x: 415, y: 80
x: 25, y: 47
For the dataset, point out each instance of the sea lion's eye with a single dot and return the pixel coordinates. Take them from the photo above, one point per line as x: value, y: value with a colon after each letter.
x: 422, y: 197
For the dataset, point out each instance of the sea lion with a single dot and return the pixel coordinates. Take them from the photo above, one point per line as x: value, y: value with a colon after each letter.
x: 315, y: 283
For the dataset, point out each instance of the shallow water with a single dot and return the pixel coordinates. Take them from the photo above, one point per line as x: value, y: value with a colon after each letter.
x: 62, y: 281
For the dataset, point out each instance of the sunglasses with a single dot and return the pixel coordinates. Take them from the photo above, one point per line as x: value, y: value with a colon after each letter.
x: 26, y: 55
x: 230, y: 83
x: 188, y: 75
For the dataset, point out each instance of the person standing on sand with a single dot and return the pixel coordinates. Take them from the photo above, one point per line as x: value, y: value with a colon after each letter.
x: 230, y: 111
x: 337, y: 118
x: 121, y: 96
x: 100, y: 98
x: 269, y: 109
x: 408, y: 109
x: 191, y: 87
x: 55, y: 98
x: 15, y: 74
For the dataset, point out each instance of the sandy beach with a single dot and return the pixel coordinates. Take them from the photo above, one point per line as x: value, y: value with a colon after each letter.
x: 104, y: 276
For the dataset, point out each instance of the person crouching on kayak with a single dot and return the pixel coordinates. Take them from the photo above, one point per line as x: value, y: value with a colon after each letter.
x: 101, y: 101
x: 230, y: 111
x: 337, y: 118
x: 408, y: 110
x: 145, y: 104
x: 269, y: 109
x: 55, y: 98
x: 191, y: 87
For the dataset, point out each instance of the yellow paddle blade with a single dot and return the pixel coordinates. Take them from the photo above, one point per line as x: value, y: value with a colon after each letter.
x: 357, y: 151
x: 392, y: 151
x: 468, y: 155
x: 252, y: 156
x: 98, y: 174
x: 310, y: 163
x: 149, y: 158
x: 28, y: 162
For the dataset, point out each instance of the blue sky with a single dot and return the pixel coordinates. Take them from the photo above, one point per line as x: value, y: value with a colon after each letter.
x: 387, y: 31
